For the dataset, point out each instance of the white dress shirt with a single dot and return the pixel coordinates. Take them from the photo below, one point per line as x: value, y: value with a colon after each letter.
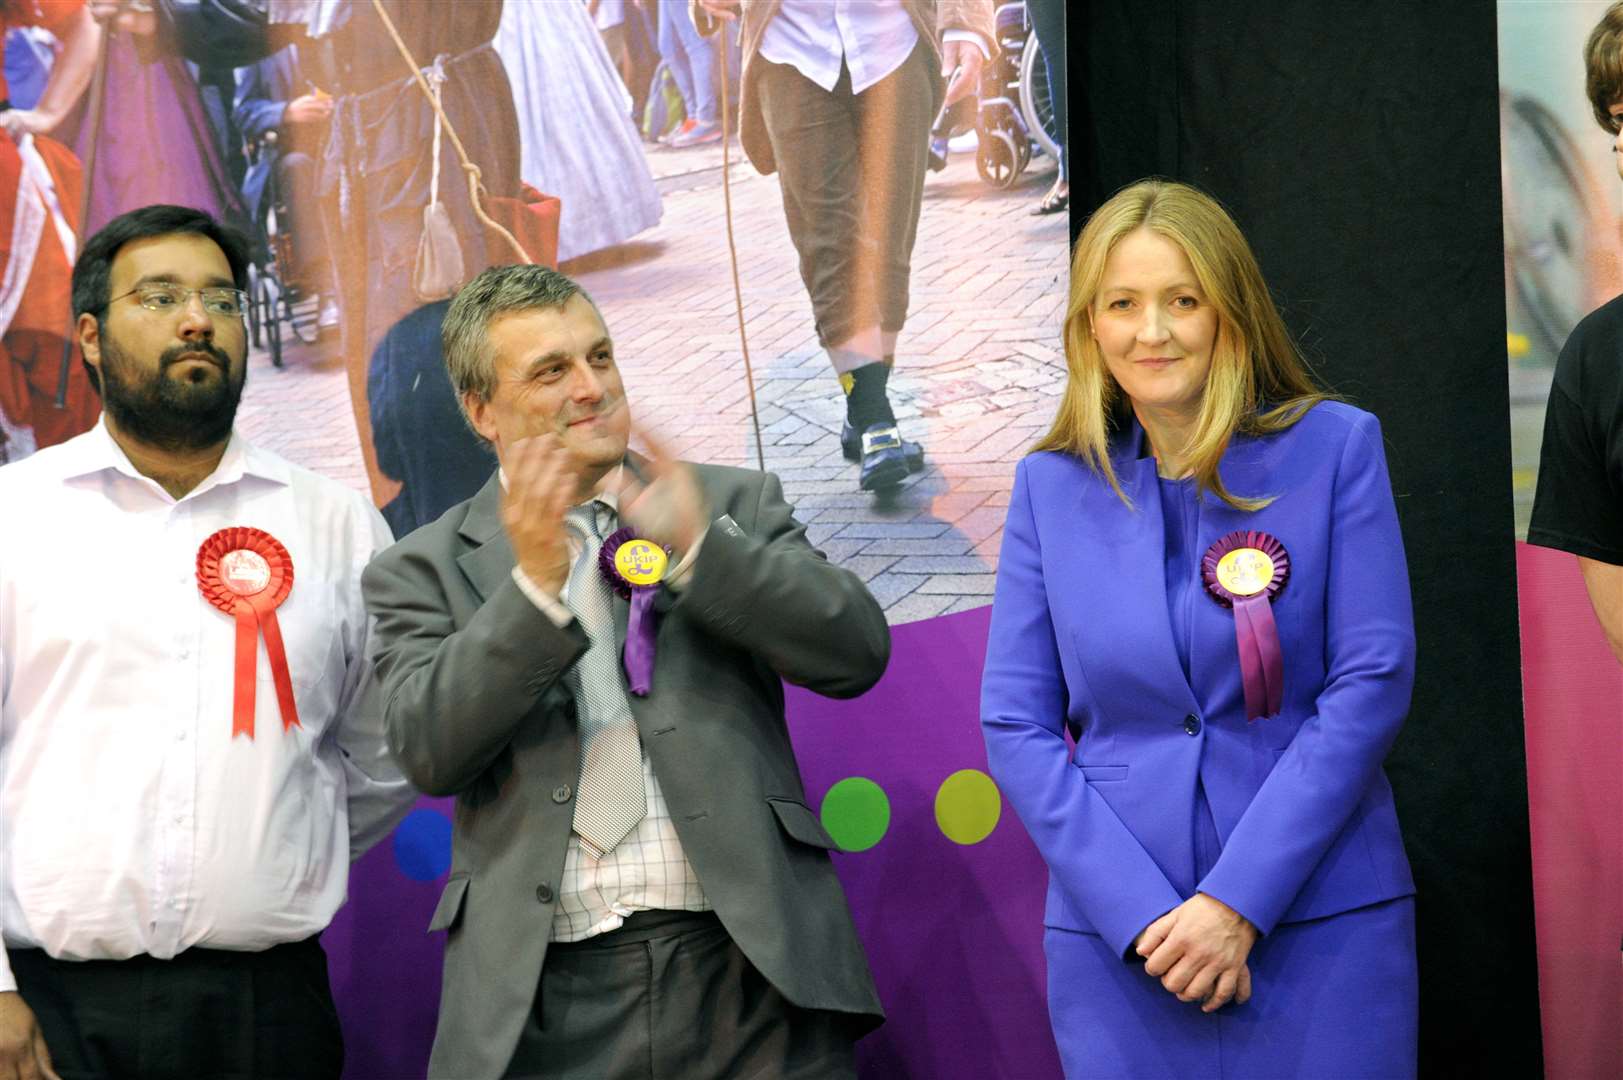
x: 648, y: 870
x: 871, y: 37
x: 131, y: 820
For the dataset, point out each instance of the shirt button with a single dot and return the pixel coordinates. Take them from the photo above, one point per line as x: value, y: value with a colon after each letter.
x: 184, y: 653
x: 562, y: 793
x: 543, y: 893
x: 1191, y: 724
x: 179, y: 819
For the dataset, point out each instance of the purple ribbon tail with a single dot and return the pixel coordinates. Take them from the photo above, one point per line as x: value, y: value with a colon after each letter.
x: 1262, y: 664
x: 639, y: 651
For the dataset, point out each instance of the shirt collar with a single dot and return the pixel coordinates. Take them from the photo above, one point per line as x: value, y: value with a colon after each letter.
x: 97, y: 451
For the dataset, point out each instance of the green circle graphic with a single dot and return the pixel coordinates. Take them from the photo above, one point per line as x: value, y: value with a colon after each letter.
x: 967, y: 806
x: 856, y: 813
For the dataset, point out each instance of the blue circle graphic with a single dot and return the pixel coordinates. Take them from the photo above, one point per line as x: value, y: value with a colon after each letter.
x: 422, y: 845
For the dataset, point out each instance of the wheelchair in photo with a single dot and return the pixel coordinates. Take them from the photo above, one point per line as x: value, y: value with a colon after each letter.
x: 275, y: 297
x: 1016, y: 111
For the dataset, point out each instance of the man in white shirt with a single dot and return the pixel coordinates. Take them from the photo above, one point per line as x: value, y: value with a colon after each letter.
x: 638, y: 886
x: 837, y: 98
x: 191, y: 749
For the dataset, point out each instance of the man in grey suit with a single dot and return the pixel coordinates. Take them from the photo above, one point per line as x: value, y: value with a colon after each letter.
x: 638, y: 886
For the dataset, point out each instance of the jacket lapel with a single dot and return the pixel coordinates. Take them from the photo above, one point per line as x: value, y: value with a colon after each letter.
x: 1122, y: 568
x: 489, y: 560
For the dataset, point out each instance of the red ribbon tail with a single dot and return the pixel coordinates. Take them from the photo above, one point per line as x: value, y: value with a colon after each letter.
x: 242, y: 704
x: 278, y: 665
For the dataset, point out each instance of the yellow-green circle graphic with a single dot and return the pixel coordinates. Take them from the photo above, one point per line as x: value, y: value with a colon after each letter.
x: 856, y: 813
x: 967, y: 806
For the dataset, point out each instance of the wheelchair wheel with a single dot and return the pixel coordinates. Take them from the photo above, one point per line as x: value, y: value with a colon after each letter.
x: 265, y: 300
x: 1036, y: 105
x: 998, y: 158
x: 303, y: 325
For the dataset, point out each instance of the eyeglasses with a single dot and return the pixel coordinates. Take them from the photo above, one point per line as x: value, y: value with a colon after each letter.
x: 167, y: 296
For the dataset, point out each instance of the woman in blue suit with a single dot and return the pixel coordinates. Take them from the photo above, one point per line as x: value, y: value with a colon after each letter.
x: 1202, y: 583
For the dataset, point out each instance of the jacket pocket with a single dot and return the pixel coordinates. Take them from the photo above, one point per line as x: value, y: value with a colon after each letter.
x: 800, y: 823
x: 449, y: 910
x: 1100, y: 774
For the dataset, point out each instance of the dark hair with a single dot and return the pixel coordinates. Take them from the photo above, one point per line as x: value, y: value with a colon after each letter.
x: 1603, y: 66
x: 93, y: 270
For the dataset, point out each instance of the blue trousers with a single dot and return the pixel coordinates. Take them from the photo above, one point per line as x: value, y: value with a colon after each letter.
x: 691, y: 58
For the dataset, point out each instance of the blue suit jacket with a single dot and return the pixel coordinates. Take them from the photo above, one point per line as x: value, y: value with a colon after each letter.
x: 1081, y: 638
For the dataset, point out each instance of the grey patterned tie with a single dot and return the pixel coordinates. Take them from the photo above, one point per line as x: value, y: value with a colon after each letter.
x: 610, y: 798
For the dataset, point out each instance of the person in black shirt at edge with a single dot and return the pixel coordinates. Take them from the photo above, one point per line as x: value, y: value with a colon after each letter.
x: 1579, y: 503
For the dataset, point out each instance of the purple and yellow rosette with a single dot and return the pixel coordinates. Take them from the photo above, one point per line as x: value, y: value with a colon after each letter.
x: 634, y: 566
x: 1245, y: 571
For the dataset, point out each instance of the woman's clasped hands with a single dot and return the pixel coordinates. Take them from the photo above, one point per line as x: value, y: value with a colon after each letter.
x: 1198, y: 950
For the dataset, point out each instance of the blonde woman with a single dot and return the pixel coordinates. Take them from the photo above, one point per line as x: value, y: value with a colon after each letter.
x: 1203, y: 583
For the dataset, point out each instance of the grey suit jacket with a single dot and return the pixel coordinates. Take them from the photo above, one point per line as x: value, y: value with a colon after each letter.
x: 477, y: 706
x: 931, y: 18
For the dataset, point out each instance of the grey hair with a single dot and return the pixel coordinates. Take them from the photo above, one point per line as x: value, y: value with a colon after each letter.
x: 470, y: 359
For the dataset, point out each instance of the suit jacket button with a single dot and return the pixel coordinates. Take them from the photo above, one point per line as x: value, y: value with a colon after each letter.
x: 543, y: 893
x: 1191, y: 724
x: 562, y: 793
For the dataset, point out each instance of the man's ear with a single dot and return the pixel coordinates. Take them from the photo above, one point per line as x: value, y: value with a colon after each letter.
x: 478, y: 410
x: 89, y: 331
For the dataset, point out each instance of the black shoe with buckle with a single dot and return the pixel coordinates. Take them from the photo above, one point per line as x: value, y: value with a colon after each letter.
x: 884, y: 457
x: 851, y: 447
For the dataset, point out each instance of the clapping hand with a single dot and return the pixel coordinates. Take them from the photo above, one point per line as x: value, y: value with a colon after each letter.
x: 1198, y: 950
x: 669, y: 508
x: 543, y: 481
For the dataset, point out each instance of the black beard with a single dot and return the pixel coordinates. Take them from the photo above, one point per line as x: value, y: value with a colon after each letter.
x: 166, y: 413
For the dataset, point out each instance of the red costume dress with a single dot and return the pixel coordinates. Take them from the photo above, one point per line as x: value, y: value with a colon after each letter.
x: 39, y: 207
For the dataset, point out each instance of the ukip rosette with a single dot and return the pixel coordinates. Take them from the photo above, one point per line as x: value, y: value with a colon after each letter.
x: 1245, y: 571
x: 247, y: 573
x: 634, y: 566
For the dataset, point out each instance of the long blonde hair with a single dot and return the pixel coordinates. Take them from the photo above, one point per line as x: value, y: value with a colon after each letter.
x: 1258, y: 383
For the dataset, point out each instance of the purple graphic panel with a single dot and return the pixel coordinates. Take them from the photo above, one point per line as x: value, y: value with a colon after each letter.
x: 947, y: 893
x: 953, y: 931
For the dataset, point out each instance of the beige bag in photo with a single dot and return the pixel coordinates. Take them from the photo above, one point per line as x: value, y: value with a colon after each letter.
x: 439, y: 270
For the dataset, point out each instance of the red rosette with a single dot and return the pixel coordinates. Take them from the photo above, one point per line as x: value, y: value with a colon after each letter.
x: 247, y: 573
x: 1245, y: 570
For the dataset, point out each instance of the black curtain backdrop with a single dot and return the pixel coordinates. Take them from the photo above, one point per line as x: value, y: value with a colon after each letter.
x: 1358, y: 147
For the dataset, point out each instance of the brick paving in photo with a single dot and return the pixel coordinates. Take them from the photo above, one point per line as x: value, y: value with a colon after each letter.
x: 979, y: 368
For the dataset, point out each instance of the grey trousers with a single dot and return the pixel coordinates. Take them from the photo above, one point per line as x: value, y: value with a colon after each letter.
x: 852, y: 168
x: 668, y: 996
